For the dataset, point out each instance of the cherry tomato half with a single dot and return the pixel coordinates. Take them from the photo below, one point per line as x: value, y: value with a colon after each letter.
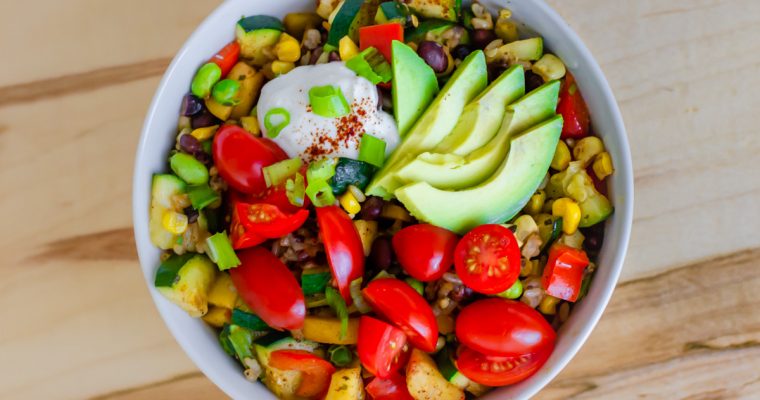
x: 487, y: 259
x: 400, y: 304
x: 317, y: 372
x: 499, y: 371
x: 502, y: 327
x: 240, y: 236
x: 343, y: 247
x: 269, y: 288
x: 268, y: 221
x: 425, y: 251
x: 392, y: 388
x: 380, y: 347
x: 240, y: 156
x: 573, y: 110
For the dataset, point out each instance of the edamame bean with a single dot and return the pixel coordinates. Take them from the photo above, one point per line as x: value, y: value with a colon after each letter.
x: 189, y: 169
x: 206, y: 77
x: 226, y: 92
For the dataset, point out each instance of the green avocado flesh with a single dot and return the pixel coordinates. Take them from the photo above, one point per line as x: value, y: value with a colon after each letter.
x: 414, y: 86
x: 445, y: 171
x: 436, y: 122
x: 497, y: 199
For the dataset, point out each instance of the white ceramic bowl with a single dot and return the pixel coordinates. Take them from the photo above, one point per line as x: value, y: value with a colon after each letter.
x: 158, y: 135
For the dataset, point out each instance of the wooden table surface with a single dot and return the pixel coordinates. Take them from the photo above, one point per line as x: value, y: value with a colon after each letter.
x: 77, y: 322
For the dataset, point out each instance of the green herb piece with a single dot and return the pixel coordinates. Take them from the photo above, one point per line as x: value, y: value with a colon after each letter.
x: 201, y: 196
x: 315, y: 281
x: 320, y: 193
x: 340, y: 355
x: 372, y: 150
x: 328, y: 101
x: 273, y: 128
x: 336, y: 302
x: 295, y: 190
x: 371, y: 65
x: 356, y: 295
x: 221, y: 252
x: 279, y: 172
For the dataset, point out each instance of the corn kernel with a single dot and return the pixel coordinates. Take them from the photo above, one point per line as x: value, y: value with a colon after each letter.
x: 570, y: 212
x: 587, y: 148
x: 251, y: 124
x: 174, y: 222
x: 561, y: 157
x: 350, y: 204
x: 549, y: 67
x: 603, y: 165
x: 347, y: 48
x: 288, y: 49
x: 282, y: 67
x: 548, y: 305
x: 204, y: 133
x: 535, y: 203
x: 218, y: 316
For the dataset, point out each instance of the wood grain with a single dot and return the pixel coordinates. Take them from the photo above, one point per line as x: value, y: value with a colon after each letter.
x: 78, y: 321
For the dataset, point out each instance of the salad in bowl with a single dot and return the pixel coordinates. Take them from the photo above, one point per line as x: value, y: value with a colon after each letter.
x: 383, y: 200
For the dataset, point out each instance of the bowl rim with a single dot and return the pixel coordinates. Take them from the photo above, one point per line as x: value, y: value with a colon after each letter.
x: 623, y: 210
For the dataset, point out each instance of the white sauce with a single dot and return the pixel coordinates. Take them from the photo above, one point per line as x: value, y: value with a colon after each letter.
x: 311, y: 136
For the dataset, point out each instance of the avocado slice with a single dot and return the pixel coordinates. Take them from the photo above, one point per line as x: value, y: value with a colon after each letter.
x: 442, y: 9
x: 481, y: 118
x: 436, y: 122
x: 462, y: 172
x: 414, y: 85
x: 497, y: 199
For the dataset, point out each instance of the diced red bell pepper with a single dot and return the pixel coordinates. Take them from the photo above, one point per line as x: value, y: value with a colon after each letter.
x: 573, y: 110
x: 227, y: 57
x: 317, y: 372
x: 563, y: 273
x: 381, y: 37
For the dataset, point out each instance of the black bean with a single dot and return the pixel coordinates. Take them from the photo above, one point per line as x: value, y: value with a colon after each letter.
x: 192, y: 215
x: 203, y: 157
x: 532, y: 81
x: 189, y: 144
x: 481, y: 37
x: 434, y: 56
x: 381, y: 255
x: 460, y: 293
x: 333, y: 56
x: 203, y: 119
x: 191, y: 105
x: 372, y: 208
x: 594, y: 236
x: 461, y: 51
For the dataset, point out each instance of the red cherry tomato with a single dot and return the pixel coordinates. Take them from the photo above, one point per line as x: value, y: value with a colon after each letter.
x: 268, y: 221
x: 240, y: 156
x: 500, y: 371
x: 392, y: 388
x: 487, y: 259
x: 227, y: 57
x: 343, y: 247
x: 502, y: 327
x: 563, y: 273
x: 380, y: 346
x: 425, y: 251
x: 381, y: 37
x: 573, y: 110
x: 317, y: 372
x: 400, y: 304
x: 269, y: 288
x: 240, y: 236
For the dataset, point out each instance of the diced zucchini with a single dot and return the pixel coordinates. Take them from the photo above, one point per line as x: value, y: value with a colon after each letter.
x: 367, y: 233
x: 217, y: 317
x: 282, y: 383
x: 348, y: 18
x: 190, y: 287
x: 164, y: 188
x: 223, y: 292
x: 525, y: 50
x: 250, y: 86
x: 390, y: 12
x: 434, y: 26
x: 595, y: 209
x: 254, y: 34
x: 449, y: 370
x: 315, y: 280
x: 249, y: 320
x: 346, y: 384
x: 441, y: 9
x: 574, y: 182
x: 327, y: 330
x: 425, y: 382
x: 351, y: 172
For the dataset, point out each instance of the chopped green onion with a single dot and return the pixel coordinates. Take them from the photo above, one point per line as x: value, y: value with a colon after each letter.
x: 372, y: 65
x: 327, y: 48
x: 339, y: 306
x: 372, y: 150
x: 241, y: 340
x: 224, y: 340
x: 248, y: 320
x: 340, y: 355
x: 514, y: 292
x: 584, y: 286
x: 315, y: 282
x: 320, y: 193
x: 188, y: 168
x: 279, y: 172
x: 221, y: 252
x: 274, y: 128
x: 356, y: 295
x: 321, y: 170
x: 202, y: 196
x: 295, y: 190
x: 416, y: 285
x: 328, y: 101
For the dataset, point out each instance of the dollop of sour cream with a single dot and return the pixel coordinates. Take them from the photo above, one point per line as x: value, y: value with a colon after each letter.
x: 311, y: 136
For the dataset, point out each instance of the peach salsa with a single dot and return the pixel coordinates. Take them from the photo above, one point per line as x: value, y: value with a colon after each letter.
x: 382, y: 200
